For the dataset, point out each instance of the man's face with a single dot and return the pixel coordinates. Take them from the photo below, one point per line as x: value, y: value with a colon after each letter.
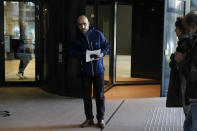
x: 178, y: 31
x: 83, y: 24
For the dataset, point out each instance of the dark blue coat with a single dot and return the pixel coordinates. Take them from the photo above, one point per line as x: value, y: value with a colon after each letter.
x: 94, y: 41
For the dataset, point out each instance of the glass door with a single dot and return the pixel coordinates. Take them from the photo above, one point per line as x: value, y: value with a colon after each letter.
x: 136, y: 47
x: 18, y: 41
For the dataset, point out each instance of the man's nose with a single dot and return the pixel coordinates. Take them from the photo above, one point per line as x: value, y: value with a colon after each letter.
x: 82, y: 26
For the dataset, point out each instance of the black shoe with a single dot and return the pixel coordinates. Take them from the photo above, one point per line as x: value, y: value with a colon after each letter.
x: 101, y: 124
x: 87, y: 123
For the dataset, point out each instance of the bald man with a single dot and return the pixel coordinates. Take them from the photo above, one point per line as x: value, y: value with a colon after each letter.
x: 92, y: 70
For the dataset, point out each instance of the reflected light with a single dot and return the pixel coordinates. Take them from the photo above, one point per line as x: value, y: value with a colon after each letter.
x: 92, y: 16
x: 5, y: 3
x: 170, y: 48
x: 30, y: 4
x: 177, y: 3
x: 167, y: 49
x: 14, y: 3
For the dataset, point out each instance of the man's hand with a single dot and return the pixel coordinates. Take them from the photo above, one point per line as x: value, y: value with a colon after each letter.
x: 100, y: 56
x: 93, y: 56
x: 179, y: 57
x: 96, y: 56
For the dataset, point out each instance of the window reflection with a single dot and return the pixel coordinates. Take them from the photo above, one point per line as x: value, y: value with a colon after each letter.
x: 15, y: 35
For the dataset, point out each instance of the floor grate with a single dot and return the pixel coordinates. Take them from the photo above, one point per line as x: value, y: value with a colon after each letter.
x: 165, y: 119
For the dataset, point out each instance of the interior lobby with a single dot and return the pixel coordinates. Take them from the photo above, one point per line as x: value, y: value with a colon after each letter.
x: 49, y: 95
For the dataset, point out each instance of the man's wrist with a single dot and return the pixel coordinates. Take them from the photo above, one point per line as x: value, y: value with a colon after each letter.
x: 101, y: 54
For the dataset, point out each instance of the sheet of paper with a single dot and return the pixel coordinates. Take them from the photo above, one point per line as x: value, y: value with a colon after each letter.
x: 92, y: 52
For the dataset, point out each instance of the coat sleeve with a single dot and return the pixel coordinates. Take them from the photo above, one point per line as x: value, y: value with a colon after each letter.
x: 194, y: 55
x: 75, y: 51
x: 104, y: 44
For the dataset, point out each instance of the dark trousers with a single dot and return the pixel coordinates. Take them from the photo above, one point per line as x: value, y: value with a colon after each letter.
x: 23, y: 64
x: 98, y: 87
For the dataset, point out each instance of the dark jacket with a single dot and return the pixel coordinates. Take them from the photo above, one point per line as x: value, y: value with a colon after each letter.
x: 174, y: 95
x: 24, y: 51
x: 94, y: 41
x: 183, y: 44
x: 191, y: 89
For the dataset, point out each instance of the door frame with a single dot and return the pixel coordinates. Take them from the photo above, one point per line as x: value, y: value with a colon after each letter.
x: 114, y: 52
x: 38, y: 47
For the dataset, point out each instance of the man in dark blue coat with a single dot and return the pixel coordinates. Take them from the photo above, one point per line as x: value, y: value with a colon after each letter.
x: 91, y: 40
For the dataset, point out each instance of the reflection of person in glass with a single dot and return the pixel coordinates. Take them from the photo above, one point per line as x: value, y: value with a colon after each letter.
x: 93, y: 71
x: 24, y: 51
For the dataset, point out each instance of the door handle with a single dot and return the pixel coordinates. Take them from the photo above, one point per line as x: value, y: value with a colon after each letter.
x: 2, y: 43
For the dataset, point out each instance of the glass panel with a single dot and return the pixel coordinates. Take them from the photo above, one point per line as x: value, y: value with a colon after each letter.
x: 19, y: 37
x: 104, y: 12
x: 104, y: 26
x: 124, y: 28
x: 175, y: 8
x: 193, y: 5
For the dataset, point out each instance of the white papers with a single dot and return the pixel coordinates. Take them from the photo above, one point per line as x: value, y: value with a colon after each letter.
x: 89, y: 53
